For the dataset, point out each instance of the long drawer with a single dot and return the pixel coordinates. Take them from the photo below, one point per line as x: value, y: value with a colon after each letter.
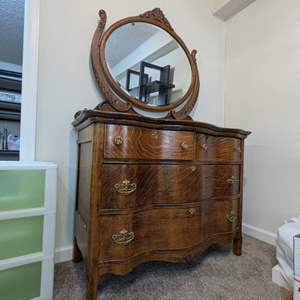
x: 126, y: 235
x: 138, y: 186
x: 130, y: 142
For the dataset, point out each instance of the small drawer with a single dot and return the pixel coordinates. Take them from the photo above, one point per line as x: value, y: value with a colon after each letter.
x: 222, y: 180
x: 222, y: 216
x: 212, y: 148
x: 22, y: 282
x: 20, y: 237
x: 128, y: 235
x: 131, y: 142
x: 21, y: 189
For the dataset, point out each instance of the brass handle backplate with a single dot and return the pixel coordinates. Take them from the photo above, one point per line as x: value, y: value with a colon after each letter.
x: 191, y: 211
x: 231, y: 218
x: 118, y: 140
x: 232, y: 180
x: 154, y: 133
x: 184, y: 146
x: 125, y: 187
x: 204, y: 147
x: 124, y: 237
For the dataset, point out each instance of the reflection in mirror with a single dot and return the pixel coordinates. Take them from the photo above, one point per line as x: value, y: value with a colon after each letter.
x: 148, y: 63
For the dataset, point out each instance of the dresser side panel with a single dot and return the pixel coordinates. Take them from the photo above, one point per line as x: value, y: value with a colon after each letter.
x: 85, y: 137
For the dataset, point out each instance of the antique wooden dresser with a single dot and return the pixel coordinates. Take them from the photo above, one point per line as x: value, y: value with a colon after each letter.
x: 151, y: 189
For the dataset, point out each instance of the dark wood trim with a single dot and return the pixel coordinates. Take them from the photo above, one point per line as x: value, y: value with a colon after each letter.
x: 9, y: 152
x: 85, y: 117
x: 10, y: 106
x: 11, y: 81
x: 10, y: 73
x: 10, y: 115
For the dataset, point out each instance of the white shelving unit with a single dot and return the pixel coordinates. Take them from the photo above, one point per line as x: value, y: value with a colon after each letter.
x: 27, y: 230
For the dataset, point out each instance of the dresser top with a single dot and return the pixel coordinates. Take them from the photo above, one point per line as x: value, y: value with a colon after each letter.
x: 86, y: 117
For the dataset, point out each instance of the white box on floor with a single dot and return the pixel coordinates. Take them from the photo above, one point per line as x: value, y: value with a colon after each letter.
x: 297, y: 255
x: 297, y: 288
x: 297, y: 267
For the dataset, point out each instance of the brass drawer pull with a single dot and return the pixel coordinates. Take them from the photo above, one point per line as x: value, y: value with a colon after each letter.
x: 124, y: 237
x: 232, y: 180
x: 238, y: 149
x: 154, y: 133
x: 184, y: 146
x: 125, y: 187
x: 231, y: 218
x: 191, y: 211
x: 118, y: 140
x: 204, y: 147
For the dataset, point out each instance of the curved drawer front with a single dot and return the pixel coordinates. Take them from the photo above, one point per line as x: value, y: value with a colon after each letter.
x: 139, y: 186
x: 130, y: 142
x: 222, y: 180
x: 128, y: 235
x: 221, y: 216
x: 212, y: 148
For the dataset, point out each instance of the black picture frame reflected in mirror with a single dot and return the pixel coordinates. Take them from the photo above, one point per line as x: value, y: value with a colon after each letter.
x: 147, y: 87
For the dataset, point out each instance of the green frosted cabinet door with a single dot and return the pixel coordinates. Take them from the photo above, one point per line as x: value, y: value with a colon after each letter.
x: 21, y: 283
x: 20, y: 237
x: 21, y: 189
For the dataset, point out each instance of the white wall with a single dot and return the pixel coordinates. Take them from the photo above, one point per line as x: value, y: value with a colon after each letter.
x: 66, y: 81
x: 262, y: 94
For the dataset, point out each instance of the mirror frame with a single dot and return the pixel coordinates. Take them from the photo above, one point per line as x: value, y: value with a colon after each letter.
x: 116, y: 99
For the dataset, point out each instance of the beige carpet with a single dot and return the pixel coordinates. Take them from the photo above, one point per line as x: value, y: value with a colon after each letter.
x: 216, y: 275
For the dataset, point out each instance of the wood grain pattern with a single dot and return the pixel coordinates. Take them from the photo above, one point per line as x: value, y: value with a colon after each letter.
x: 178, y: 208
x: 144, y: 143
x: 165, y: 189
x: 216, y: 217
x: 84, y: 179
x: 156, y: 229
x: 166, y: 184
x: 175, y: 256
x: 212, y: 148
x: 81, y: 235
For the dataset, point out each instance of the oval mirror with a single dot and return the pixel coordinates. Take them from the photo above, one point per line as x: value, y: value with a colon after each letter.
x: 148, y: 64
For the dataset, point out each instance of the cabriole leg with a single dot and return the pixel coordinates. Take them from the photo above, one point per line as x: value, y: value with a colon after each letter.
x: 92, y: 284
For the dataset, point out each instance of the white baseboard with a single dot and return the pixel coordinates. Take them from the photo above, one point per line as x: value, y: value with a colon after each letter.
x: 279, y: 279
x: 260, y: 234
x: 63, y: 254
